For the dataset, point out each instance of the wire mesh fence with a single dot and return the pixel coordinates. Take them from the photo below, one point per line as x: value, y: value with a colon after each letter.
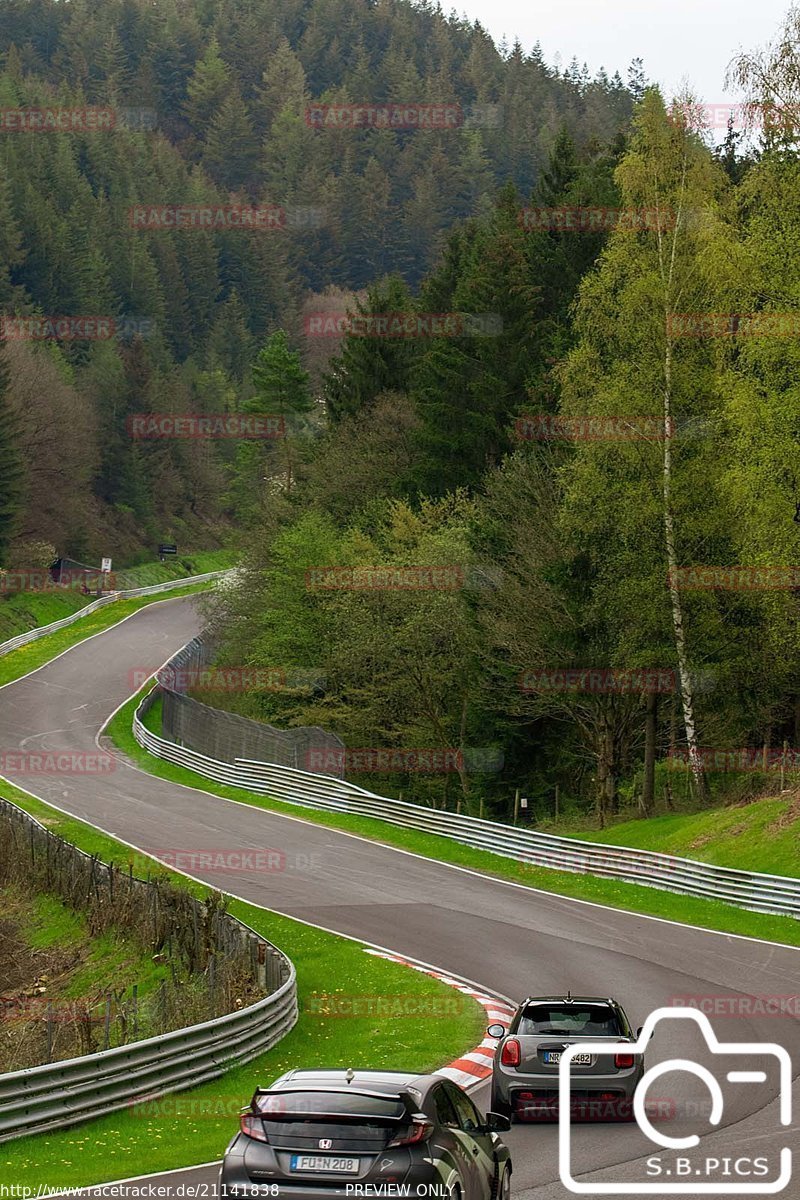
x: 227, y: 736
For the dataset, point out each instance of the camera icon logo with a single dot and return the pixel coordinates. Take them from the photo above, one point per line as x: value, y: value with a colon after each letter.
x: 693, y: 1186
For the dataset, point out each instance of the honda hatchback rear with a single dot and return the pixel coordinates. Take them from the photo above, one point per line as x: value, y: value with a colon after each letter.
x: 316, y: 1135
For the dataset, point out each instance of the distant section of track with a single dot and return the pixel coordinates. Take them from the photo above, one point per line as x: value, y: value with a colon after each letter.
x: 507, y: 938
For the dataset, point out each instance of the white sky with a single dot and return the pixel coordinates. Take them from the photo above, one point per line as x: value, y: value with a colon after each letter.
x: 678, y: 40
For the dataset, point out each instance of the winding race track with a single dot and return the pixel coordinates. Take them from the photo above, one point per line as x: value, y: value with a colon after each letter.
x: 509, y: 939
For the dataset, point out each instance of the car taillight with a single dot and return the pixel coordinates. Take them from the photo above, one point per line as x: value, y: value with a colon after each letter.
x: 624, y: 1061
x: 253, y: 1127
x: 419, y: 1130
x: 511, y: 1054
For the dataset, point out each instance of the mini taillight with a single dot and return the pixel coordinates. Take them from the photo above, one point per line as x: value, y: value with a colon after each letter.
x: 419, y: 1130
x: 511, y: 1054
x: 623, y: 1061
x: 253, y: 1127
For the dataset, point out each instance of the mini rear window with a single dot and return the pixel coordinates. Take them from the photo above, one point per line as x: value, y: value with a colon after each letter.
x: 590, y: 1020
x: 312, y: 1104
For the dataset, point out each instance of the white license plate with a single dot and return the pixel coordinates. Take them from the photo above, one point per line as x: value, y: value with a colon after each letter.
x: 554, y: 1057
x: 322, y: 1162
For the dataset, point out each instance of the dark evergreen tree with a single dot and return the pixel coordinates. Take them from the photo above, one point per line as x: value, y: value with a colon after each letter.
x: 11, y: 468
x: 369, y: 363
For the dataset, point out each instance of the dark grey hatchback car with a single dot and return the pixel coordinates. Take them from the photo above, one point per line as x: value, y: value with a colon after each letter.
x: 320, y: 1135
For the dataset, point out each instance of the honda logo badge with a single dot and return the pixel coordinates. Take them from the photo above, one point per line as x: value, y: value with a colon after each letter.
x: 325, y: 1143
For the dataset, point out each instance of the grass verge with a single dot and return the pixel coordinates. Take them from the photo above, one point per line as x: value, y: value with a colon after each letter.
x: 24, y: 611
x: 762, y: 835
x: 687, y: 910
x: 195, y: 1126
x: 36, y: 654
x: 194, y: 563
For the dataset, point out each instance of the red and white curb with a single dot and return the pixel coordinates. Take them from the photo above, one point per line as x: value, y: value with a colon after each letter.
x: 475, y: 1066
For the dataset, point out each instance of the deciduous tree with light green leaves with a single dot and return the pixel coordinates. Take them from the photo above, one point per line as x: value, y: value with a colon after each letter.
x: 399, y: 663
x: 643, y: 485
x: 760, y: 389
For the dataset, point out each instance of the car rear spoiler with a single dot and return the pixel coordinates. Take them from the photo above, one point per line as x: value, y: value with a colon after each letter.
x: 282, y: 1093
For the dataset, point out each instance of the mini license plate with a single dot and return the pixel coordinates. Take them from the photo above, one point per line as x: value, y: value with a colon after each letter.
x: 554, y: 1057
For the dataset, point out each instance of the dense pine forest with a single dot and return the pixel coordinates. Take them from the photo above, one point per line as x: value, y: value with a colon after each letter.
x: 210, y: 103
x: 593, y: 461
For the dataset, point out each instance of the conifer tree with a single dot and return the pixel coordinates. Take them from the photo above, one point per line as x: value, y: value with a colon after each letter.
x: 11, y: 469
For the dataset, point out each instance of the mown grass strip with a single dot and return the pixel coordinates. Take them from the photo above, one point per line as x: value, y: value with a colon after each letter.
x: 195, y: 1126
x: 23, y: 611
x: 687, y: 910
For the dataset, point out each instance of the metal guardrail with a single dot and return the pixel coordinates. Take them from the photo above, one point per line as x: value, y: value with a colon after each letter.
x: 752, y: 890
x: 58, y: 1095
x: 33, y: 635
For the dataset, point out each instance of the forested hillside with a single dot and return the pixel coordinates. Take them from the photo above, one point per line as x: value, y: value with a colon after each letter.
x: 568, y: 550
x: 213, y: 104
x: 517, y: 330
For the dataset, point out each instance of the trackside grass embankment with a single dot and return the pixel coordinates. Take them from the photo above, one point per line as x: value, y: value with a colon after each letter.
x: 762, y: 835
x: 27, y: 658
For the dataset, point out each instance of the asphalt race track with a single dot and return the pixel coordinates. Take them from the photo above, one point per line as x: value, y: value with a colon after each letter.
x: 510, y: 940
